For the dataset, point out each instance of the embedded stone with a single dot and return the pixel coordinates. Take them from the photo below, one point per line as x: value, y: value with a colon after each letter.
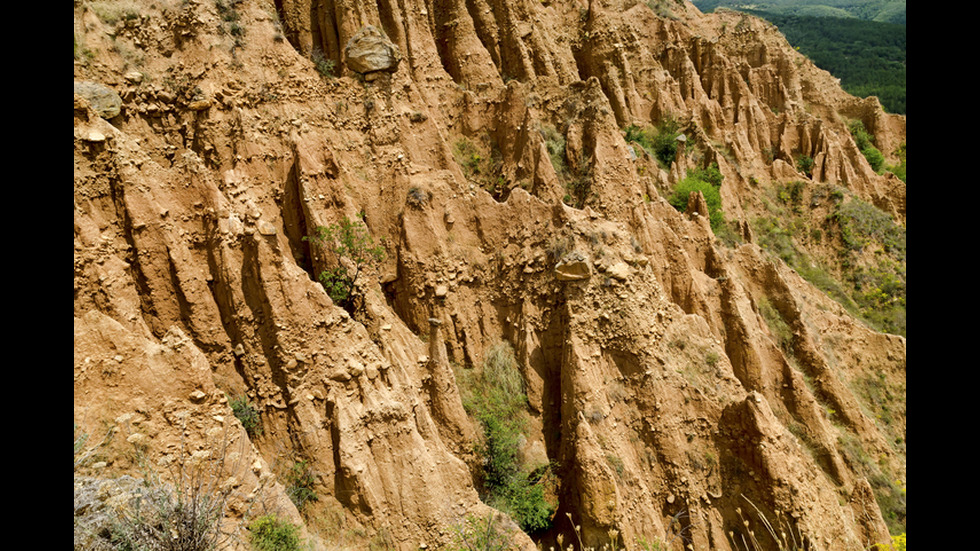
x: 104, y: 100
x: 369, y: 51
x: 573, y: 267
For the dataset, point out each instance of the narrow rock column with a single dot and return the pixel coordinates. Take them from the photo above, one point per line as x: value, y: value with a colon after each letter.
x: 447, y: 406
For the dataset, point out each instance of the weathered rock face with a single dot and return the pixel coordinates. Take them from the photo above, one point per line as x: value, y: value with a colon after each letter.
x: 676, y: 383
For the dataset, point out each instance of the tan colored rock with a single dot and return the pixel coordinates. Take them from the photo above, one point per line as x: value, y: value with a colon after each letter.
x: 369, y: 51
x: 573, y: 267
x: 650, y: 389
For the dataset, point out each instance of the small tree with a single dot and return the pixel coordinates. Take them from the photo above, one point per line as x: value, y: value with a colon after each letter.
x: 665, y: 142
x: 354, y: 251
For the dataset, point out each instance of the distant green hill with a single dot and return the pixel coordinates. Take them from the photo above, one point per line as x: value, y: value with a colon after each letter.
x: 883, y: 11
x: 867, y: 56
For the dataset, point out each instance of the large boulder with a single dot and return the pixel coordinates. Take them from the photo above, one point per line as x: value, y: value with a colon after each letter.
x: 104, y: 100
x: 370, y: 51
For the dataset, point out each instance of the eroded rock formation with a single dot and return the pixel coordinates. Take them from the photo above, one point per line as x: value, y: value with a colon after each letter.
x: 491, y: 164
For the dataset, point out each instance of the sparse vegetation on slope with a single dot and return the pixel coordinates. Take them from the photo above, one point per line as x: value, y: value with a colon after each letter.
x: 869, y: 261
x: 495, y: 397
x: 353, y: 251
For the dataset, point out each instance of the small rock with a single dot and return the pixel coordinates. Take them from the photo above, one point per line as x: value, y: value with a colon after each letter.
x: 198, y: 396
x: 199, y: 105
x: 620, y: 271
x: 267, y: 228
x: 573, y: 267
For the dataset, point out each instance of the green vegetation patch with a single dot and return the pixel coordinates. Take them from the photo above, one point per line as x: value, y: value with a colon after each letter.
x: 247, y: 415
x: 660, y: 142
x: 496, y: 398
x: 707, y: 181
x: 862, y: 225
x: 865, y: 142
x: 353, y: 251
x: 300, y: 482
x: 899, y: 169
x: 577, y: 182
x: 479, y: 533
x: 270, y: 533
x: 483, y: 169
x: 324, y: 65
x: 865, y: 274
x: 889, y: 493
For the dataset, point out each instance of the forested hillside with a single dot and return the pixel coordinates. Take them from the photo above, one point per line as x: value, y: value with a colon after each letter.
x: 868, y: 57
x: 885, y: 11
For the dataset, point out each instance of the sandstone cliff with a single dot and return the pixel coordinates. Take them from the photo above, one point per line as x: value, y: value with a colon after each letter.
x: 678, y: 384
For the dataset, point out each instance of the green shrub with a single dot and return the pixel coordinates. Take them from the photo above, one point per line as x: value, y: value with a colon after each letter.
x: 712, y: 197
x: 874, y: 158
x: 804, y: 164
x: 865, y: 142
x: 269, y: 533
x: 300, y: 483
x: 860, y: 134
x: 661, y: 143
x: 247, y: 415
x: 497, y: 400
x: 323, y: 64
x: 354, y: 251
x: 665, y: 142
x: 791, y: 193
x: 639, y: 136
x: 711, y: 174
x: 526, y: 503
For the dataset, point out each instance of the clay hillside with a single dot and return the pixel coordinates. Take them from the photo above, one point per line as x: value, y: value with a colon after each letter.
x: 481, y: 274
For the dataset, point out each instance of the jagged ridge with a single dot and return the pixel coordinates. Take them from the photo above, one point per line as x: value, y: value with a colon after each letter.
x: 191, y: 206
